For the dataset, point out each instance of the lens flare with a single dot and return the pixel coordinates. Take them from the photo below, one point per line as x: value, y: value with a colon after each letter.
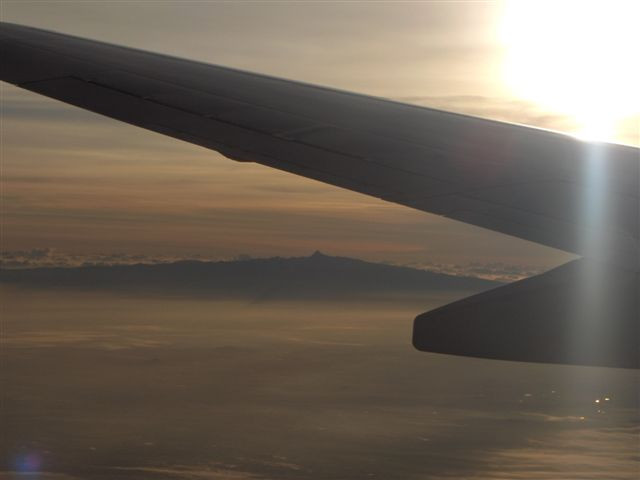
x: 28, y: 463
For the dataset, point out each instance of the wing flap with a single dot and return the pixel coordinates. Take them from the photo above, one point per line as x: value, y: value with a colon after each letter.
x: 582, y: 313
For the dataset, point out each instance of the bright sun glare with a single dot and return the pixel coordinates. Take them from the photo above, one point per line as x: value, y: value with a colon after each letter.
x: 577, y: 58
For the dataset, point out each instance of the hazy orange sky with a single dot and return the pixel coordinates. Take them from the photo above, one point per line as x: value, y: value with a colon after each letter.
x: 81, y: 183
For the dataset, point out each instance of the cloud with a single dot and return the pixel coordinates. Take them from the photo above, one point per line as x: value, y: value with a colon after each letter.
x: 192, y: 472
x: 28, y: 258
x: 580, y: 454
x: 50, y: 257
x: 110, y: 339
x: 498, y: 271
x: 13, y: 475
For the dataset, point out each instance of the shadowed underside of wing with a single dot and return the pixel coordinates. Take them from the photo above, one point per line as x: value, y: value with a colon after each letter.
x: 582, y: 313
x: 537, y: 185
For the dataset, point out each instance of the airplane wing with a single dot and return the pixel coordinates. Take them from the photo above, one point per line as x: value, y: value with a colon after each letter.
x: 530, y: 183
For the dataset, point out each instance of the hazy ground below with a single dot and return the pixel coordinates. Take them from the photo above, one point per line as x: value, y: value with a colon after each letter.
x: 104, y: 386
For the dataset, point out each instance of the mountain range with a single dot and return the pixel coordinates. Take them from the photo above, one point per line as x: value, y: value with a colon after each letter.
x: 315, y: 276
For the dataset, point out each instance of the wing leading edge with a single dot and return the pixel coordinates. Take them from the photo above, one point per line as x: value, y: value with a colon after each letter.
x: 521, y: 181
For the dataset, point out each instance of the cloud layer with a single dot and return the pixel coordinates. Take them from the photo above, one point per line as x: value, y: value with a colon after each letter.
x: 50, y: 257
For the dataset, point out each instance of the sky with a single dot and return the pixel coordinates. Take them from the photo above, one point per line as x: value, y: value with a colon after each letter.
x: 77, y: 186
x: 81, y: 184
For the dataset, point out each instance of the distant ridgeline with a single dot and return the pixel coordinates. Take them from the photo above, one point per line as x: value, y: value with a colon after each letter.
x: 316, y: 276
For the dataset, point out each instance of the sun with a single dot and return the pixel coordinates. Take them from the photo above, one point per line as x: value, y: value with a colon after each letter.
x: 577, y: 58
